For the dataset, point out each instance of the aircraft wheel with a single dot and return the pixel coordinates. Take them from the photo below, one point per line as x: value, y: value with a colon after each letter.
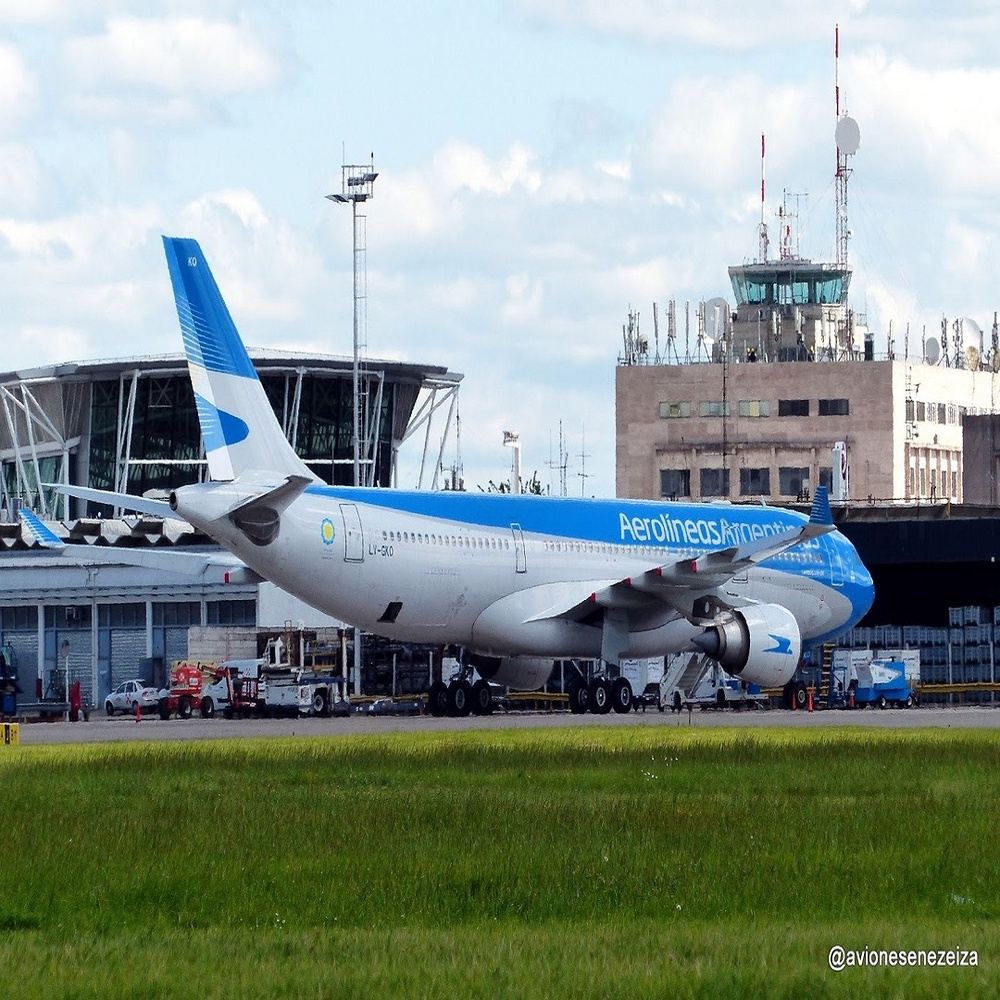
x: 621, y: 695
x: 482, y: 698
x: 800, y: 696
x: 579, y: 697
x: 600, y: 696
x: 459, y: 698
x: 437, y: 699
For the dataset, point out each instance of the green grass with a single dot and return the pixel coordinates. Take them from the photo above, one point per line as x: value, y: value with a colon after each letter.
x: 645, y: 862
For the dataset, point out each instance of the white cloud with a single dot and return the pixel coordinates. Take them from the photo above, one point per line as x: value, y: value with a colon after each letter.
x: 17, y: 88
x: 706, y: 135
x: 712, y: 23
x: 175, y: 55
x: 267, y: 271
x: 524, y: 300
x: 945, y: 123
x: 20, y: 178
x: 41, y: 344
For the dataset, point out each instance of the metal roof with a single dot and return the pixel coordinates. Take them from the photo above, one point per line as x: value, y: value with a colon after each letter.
x: 265, y: 359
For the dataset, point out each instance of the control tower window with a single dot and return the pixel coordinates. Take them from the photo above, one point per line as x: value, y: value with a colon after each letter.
x: 755, y: 482
x: 675, y: 483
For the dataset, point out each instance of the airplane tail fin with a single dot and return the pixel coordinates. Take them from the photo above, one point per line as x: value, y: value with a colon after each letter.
x: 238, y: 426
x: 820, y: 513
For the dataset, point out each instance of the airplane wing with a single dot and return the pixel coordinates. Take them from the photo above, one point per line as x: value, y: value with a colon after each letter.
x: 186, y: 563
x: 679, y: 584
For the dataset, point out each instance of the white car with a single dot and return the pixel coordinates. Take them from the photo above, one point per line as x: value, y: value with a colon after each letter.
x: 124, y: 697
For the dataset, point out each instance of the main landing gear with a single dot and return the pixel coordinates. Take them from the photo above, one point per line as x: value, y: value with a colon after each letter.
x: 600, y: 695
x: 460, y: 697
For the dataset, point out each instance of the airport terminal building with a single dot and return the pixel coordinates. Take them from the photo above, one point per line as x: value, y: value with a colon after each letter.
x: 130, y: 425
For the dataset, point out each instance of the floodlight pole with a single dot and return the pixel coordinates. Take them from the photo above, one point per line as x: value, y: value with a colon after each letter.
x: 357, y: 184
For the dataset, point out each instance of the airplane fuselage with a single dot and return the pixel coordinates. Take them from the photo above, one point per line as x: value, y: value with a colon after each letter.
x: 481, y: 570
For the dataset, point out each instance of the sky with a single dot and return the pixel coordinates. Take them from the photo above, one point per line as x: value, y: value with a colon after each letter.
x: 544, y: 165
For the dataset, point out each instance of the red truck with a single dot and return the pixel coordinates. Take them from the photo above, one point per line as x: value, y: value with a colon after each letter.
x: 185, y: 693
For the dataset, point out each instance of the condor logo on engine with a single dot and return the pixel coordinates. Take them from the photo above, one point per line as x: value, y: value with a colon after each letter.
x: 781, y: 644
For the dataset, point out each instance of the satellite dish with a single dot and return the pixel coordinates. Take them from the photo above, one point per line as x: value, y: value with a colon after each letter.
x: 716, y: 317
x: 848, y: 136
x: 972, y: 359
x: 932, y: 352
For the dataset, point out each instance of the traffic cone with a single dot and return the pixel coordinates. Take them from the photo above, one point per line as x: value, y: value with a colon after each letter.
x: 138, y: 712
x: 850, y: 698
x: 809, y: 700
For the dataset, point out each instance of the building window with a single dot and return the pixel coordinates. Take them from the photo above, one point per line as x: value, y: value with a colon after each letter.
x: 755, y: 408
x: 713, y: 408
x: 675, y: 482
x: 921, y: 411
x: 793, y: 482
x: 715, y: 482
x: 839, y: 408
x: 668, y: 410
x: 231, y: 612
x: 793, y: 407
x: 121, y: 615
x: 755, y: 482
x: 826, y: 476
x: 954, y: 485
x: 942, y: 413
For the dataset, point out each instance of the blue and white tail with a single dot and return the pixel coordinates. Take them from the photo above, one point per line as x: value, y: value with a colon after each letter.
x: 238, y: 426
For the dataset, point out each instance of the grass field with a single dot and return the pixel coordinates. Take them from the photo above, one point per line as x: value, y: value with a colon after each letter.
x: 639, y: 862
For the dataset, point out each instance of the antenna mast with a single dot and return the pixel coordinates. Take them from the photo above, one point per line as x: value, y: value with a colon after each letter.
x: 848, y: 140
x: 762, y: 228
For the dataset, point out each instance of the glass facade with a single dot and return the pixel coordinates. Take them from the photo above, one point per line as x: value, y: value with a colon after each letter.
x: 165, y: 446
x: 799, y: 287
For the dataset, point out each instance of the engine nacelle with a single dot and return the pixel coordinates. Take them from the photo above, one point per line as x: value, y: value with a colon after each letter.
x: 523, y: 673
x: 760, y: 644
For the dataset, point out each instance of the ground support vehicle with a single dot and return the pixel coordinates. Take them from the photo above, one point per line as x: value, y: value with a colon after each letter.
x: 295, y: 692
x: 184, y: 695
x: 883, y: 683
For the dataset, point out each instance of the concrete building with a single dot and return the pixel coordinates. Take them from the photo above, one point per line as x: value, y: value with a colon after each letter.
x: 777, y: 424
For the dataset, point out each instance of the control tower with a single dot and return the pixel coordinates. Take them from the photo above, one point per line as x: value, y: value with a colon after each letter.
x: 794, y: 309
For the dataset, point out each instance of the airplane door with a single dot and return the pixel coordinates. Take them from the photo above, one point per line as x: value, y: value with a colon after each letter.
x: 354, y: 541
x: 519, y: 562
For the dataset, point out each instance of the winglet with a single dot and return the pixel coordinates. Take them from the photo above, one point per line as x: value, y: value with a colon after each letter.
x: 821, y: 512
x: 43, y: 535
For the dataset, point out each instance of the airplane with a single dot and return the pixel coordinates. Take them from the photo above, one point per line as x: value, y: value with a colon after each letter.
x: 513, y: 581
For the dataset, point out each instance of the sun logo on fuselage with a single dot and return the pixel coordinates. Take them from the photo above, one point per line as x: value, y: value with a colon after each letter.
x: 327, y: 531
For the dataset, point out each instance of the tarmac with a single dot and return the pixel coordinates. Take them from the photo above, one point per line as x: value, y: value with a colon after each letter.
x: 152, y: 729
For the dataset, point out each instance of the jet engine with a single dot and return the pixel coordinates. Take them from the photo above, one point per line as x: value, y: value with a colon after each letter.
x: 760, y: 644
x: 523, y: 673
